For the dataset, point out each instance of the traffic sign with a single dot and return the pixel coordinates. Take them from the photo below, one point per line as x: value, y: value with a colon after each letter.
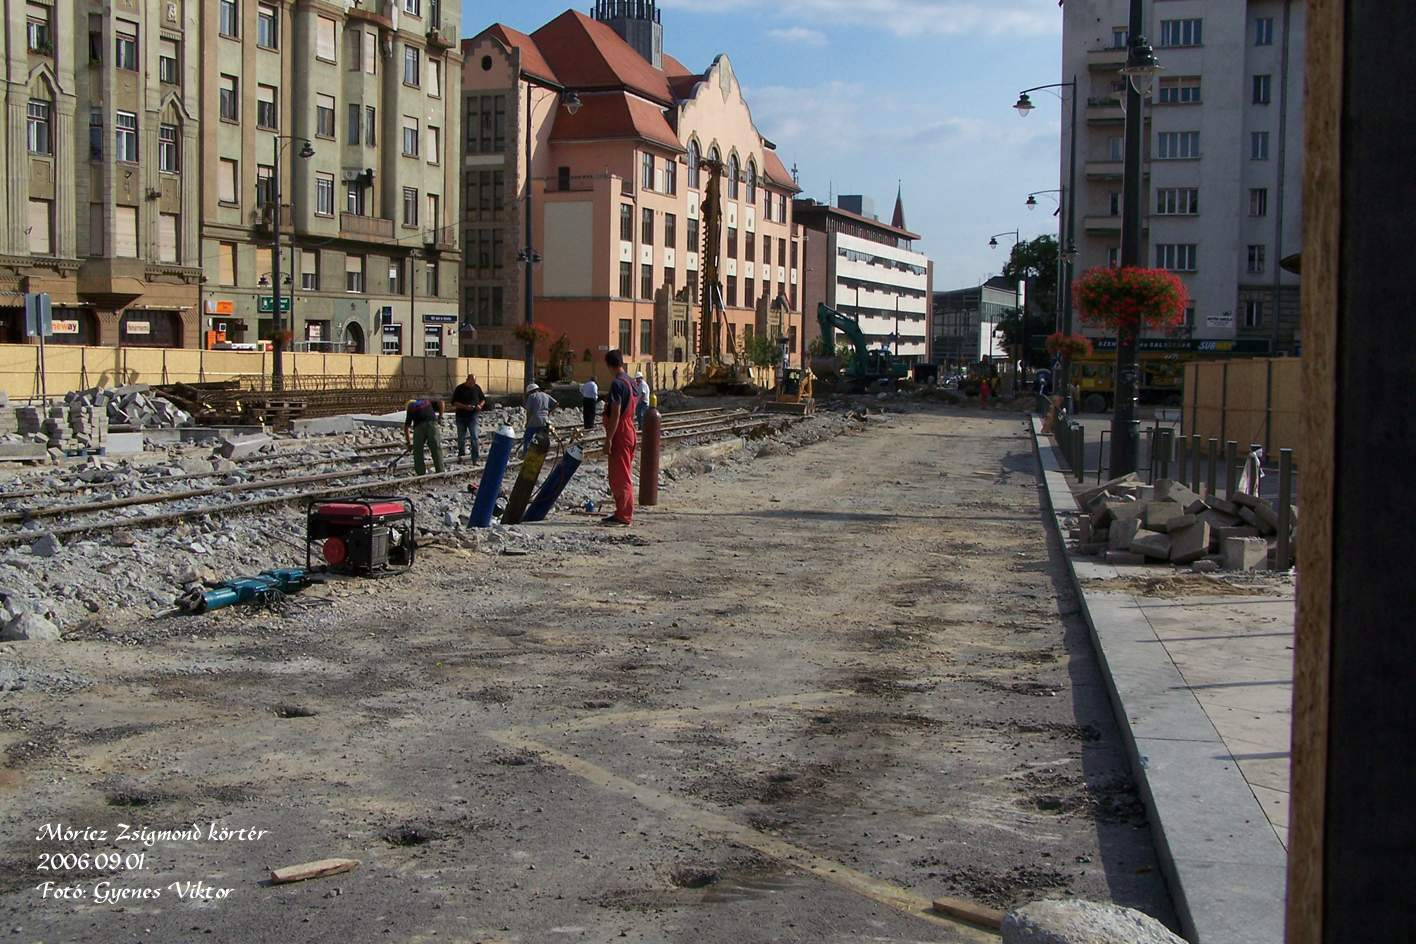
x: 39, y: 315
x: 265, y: 304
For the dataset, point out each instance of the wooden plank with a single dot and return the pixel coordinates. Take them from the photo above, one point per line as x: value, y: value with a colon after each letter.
x: 969, y: 911
x: 309, y: 870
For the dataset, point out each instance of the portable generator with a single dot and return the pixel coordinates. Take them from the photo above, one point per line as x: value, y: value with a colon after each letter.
x: 361, y: 536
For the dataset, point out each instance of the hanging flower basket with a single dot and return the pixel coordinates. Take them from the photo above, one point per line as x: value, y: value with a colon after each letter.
x: 532, y: 334
x: 1131, y: 297
x: 1068, y: 346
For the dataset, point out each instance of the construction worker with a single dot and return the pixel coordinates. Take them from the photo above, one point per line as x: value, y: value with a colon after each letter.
x: 468, y: 401
x: 641, y: 390
x: 589, y: 399
x: 538, y: 413
x: 621, y: 438
x: 421, y: 430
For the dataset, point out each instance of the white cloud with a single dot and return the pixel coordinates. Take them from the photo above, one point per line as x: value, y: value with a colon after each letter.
x: 913, y: 17
x: 799, y: 35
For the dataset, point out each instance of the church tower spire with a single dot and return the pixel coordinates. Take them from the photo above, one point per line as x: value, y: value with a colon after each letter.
x: 637, y: 22
x: 898, y: 220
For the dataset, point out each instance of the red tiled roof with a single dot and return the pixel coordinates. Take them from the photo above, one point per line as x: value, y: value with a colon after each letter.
x: 589, y: 55
x: 777, y: 173
x: 615, y: 115
x: 531, y: 59
x: 673, y: 68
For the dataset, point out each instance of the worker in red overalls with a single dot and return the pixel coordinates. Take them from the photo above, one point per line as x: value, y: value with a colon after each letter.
x: 621, y: 440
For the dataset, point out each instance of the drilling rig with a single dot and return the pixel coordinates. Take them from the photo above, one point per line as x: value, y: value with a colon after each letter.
x: 717, y: 371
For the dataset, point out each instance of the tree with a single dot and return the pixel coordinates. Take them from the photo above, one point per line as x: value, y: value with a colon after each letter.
x: 1039, y: 327
x: 1036, y: 263
x: 763, y: 351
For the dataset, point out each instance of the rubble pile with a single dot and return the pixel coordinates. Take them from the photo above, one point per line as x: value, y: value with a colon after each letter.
x: 132, y: 406
x: 1129, y: 523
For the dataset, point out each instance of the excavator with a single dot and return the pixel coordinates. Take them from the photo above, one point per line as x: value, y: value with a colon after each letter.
x: 867, y: 369
x: 714, y: 373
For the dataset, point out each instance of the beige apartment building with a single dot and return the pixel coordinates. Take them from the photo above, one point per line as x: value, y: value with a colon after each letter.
x: 355, y: 106
x: 101, y: 153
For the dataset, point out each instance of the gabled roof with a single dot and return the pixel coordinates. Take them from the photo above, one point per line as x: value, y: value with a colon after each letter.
x: 605, y: 115
x: 531, y: 59
x: 776, y: 171
x: 589, y: 55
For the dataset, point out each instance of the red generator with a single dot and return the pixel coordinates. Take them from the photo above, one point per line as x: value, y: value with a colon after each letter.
x: 361, y: 536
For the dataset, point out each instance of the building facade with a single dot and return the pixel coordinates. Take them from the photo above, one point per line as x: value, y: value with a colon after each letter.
x: 862, y: 266
x: 100, y: 197
x: 966, y: 321
x: 356, y: 109
x: 617, y: 184
x: 1223, y: 155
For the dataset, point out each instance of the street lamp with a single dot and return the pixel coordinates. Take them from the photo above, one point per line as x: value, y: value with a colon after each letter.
x: 277, y: 363
x: 1140, y: 68
x: 1022, y: 309
x: 528, y: 255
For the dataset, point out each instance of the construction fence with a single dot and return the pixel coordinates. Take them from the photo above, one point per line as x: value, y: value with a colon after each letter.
x: 69, y: 367
x: 1248, y: 401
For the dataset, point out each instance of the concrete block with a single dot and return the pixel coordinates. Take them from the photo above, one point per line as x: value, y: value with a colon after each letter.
x: 1188, y: 545
x: 1122, y: 533
x: 1152, y: 544
x: 1091, y: 494
x: 1160, y: 512
x: 123, y: 444
x: 1245, y: 554
x: 22, y: 452
x: 1235, y: 531
x: 1124, y: 559
x: 323, y: 426
x: 1179, y: 523
x: 1173, y: 491
x: 1218, y: 519
x: 1222, y: 506
x: 241, y: 447
x: 1252, y: 518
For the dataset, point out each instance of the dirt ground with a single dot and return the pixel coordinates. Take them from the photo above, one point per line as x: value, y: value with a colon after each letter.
x: 796, y: 702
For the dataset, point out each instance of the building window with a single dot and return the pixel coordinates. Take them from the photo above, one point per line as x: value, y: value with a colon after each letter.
x: 354, y: 202
x: 41, y: 227
x: 1181, y: 201
x: 125, y: 137
x: 410, y: 136
x: 671, y: 175
x: 670, y: 229
x: 646, y: 226
x: 1113, y: 257
x: 169, y: 151
x: 435, y: 77
x: 267, y: 113
x: 781, y: 253
x: 751, y: 181
x: 749, y: 292
x: 486, y: 124
x: 229, y: 98
x: 1180, y: 90
x: 732, y: 291
x: 412, y: 64
x: 670, y: 278
x: 168, y: 237
x: 1177, y: 145
x: 1258, y: 201
x: 392, y: 344
x: 751, y: 246
x: 434, y: 144
x: 370, y: 135
x: 1263, y: 89
x: 354, y: 274
x: 226, y: 264
x: 646, y: 338
x: 39, y: 128
x: 265, y: 185
x: 732, y: 242
x: 395, y: 277
x: 1115, y: 146
x: 1263, y: 31
x: 1258, y: 145
x: 647, y: 175
x: 1113, y: 202
x: 691, y: 242
x: 1177, y: 257
x: 267, y: 27
x: 733, y: 177
x: 646, y: 282
x: 353, y: 125
x: 411, y: 6
x: 432, y: 284
x: 626, y: 280
x: 1253, y: 314
x: 167, y: 71
x: 626, y: 337
x: 410, y: 206
x: 229, y: 18
x: 370, y: 55
x: 309, y: 267
x: 324, y: 116
x: 433, y: 222
x: 324, y: 194
x: 626, y: 223
x: 125, y: 43
x: 38, y: 34
x: 1257, y: 252
x: 1187, y: 32
x: 228, y: 181
x: 691, y: 282
x: 694, y: 171
x: 325, y: 30
x: 125, y: 232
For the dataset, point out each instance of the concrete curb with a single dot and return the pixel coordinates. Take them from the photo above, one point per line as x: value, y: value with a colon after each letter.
x: 1225, y: 868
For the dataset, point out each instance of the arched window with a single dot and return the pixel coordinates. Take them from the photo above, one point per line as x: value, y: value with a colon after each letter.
x: 733, y: 177
x: 693, y: 180
x: 751, y: 180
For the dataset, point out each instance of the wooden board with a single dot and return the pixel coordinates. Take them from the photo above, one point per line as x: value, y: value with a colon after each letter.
x: 308, y: 870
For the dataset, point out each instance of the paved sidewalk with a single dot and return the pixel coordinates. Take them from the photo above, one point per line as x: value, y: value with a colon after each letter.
x: 1202, y: 687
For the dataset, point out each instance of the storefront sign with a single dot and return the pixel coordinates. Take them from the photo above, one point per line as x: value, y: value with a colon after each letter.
x: 439, y: 319
x: 1225, y: 320
x: 137, y: 327
x: 219, y: 306
x: 1191, y: 345
x: 265, y: 304
x: 314, y: 331
x: 65, y: 327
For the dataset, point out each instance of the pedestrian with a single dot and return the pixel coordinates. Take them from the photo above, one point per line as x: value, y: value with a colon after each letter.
x: 619, y: 434
x: 421, y: 430
x: 468, y: 401
x: 641, y: 390
x: 589, y: 399
x: 984, y: 389
x: 538, y: 414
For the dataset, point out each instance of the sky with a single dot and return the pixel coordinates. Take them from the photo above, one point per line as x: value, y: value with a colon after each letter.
x: 865, y: 95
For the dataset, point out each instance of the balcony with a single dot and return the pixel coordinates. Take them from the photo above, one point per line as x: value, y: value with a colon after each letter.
x: 357, y: 12
x: 1103, y: 170
x: 1105, y: 111
x: 353, y: 226
x: 1106, y: 60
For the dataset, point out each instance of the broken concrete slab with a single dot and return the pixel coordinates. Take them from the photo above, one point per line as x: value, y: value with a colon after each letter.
x: 1178, y: 492
x: 29, y: 627
x: 1074, y: 921
x: 1122, y: 533
x: 1152, y: 544
x: 1159, y: 512
x: 1178, y: 523
x: 323, y: 426
x: 1222, y: 506
x: 1188, y: 545
x: 23, y: 452
x: 1124, y: 559
x: 123, y: 444
x: 1235, y: 531
x: 1244, y: 554
x: 242, y: 447
x: 1091, y: 494
x: 46, y: 545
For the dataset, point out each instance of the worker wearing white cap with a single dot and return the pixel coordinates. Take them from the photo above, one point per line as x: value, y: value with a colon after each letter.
x: 641, y: 389
x: 538, y: 413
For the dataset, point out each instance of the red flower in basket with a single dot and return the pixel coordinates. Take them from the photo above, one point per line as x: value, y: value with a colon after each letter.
x: 1130, y: 297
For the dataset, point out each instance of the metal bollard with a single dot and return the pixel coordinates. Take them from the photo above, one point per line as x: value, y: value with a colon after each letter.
x: 1285, y: 509
x: 651, y: 442
x: 1150, y: 457
x: 1195, y: 442
x: 1213, y: 466
x: 1231, y: 469
x: 1081, y: 452
x: 1182, y: 446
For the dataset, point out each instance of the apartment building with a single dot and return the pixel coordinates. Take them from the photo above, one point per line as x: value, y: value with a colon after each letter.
x: 863, y: 266
x: 618, y: 130
x: 354, y: 108
x: 1223, y: 156
x: 101, y: 158
x: 966, y: 323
